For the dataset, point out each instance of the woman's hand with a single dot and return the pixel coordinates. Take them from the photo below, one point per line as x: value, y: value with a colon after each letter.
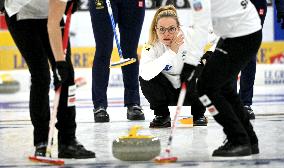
x: 177, y: 42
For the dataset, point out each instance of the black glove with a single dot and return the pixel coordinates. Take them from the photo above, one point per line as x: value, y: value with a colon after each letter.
x: 187, y: 72
x: 203, y: 60
x: 75, y: 6
x: 60, y: 73
x: 205, y: 57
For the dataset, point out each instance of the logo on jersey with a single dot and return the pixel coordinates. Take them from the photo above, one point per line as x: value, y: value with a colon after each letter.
x: 183, y: 54
x: 147, y: 47
x: 197, y: 5
x: 99, y: 4
x: 167, y: 68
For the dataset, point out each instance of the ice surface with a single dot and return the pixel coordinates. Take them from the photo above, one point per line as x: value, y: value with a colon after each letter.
x: 192, y: 146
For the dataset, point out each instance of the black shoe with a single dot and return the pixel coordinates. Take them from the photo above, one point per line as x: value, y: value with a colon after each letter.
x: 101, y: 115
x: 229, y: 149
x: 254, y: 149
x: 134, y: 112
x: 74, y: 150
x: 40, y: 149
x: 250, y: 112
x: 161, y: 122
x: 201, y: 121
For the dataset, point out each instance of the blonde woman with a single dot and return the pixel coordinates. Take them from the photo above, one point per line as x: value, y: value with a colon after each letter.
x: 162, y: 68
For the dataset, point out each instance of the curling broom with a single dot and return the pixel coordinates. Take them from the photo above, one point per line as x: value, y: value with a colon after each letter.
x: 47, y: 158
x: 167, y: 158
x: 122, y: 61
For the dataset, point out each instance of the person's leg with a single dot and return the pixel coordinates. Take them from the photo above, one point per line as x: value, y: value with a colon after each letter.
x: 66, y: 114
x: 68, y: 146
x: 210, y: 90
x: 243, y: 115
x: 130, y: 20
x: 217, y: 75
x: 27, y: 36
x: 103, y: 35
x: 160, y: 94
x: 247, y: 84
x: 213, y: 79
x: 248, y: 73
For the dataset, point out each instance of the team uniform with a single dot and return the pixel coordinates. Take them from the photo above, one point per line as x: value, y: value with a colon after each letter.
x: 129, y: 16
x: 160, y: 70
x: 27, y: 23
x: 238, y: 25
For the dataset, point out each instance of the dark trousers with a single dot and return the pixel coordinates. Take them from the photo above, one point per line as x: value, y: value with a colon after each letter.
x: 31, y: 38
x: 248, y: 73
x: 160, y: 94
x: 228, y: 59
x: 129, y: 17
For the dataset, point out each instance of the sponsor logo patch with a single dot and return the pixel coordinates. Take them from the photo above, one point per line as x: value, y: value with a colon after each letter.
x: 140, y: 4
x: 197, y: 5
x: 261, y: 12
x: 99, y: 4
x: 212, y: 110
x: 205, y: 100
x: 168, y: 67
x: 71, y: 95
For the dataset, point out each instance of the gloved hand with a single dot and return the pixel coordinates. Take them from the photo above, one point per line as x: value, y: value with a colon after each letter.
x: 1, y: 6
x: 205, y: 57
x: 280, y: 19
x: 75, y: 6
x: 187, y: 72
x: 60, y: 73
x: 203, y: 60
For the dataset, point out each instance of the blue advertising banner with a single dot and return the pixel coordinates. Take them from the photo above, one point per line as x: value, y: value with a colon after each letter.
x: 278, y: 32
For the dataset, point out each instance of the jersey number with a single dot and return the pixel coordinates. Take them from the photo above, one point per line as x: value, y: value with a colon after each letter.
x: 244, y: 3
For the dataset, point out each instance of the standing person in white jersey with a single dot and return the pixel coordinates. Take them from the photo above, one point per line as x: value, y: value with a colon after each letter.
x: 237, y: 23
x: 27, y: 23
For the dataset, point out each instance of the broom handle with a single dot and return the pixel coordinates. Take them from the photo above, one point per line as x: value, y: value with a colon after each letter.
x: 113, y: 28
x: 52, y: 121
x: 178, y: 109
x: 67, y: 28
x: 58, y: 91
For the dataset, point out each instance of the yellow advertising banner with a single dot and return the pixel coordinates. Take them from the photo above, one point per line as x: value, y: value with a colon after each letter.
x: 10, y: 57
x: 271, y: 53
x: 82, y: 57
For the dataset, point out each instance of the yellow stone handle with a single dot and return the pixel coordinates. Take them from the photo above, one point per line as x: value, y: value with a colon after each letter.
x: 132, y: 134
x: 133, y: 130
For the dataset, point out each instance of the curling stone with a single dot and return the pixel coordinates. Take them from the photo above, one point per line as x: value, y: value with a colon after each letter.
x: 136, y: 147
x: 8, y: 84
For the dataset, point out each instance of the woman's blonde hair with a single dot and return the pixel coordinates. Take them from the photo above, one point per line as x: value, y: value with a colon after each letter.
x: 165, y: 11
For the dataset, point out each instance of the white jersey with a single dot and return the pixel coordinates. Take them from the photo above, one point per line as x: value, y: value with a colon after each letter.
x: 234, y: 18
x: 161, y: 59
x: 27, y: 9
x: 229, y: 18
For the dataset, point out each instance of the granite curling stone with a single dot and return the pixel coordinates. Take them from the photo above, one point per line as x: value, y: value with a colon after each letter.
x: 136, y: 147
x: 8, y: 84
